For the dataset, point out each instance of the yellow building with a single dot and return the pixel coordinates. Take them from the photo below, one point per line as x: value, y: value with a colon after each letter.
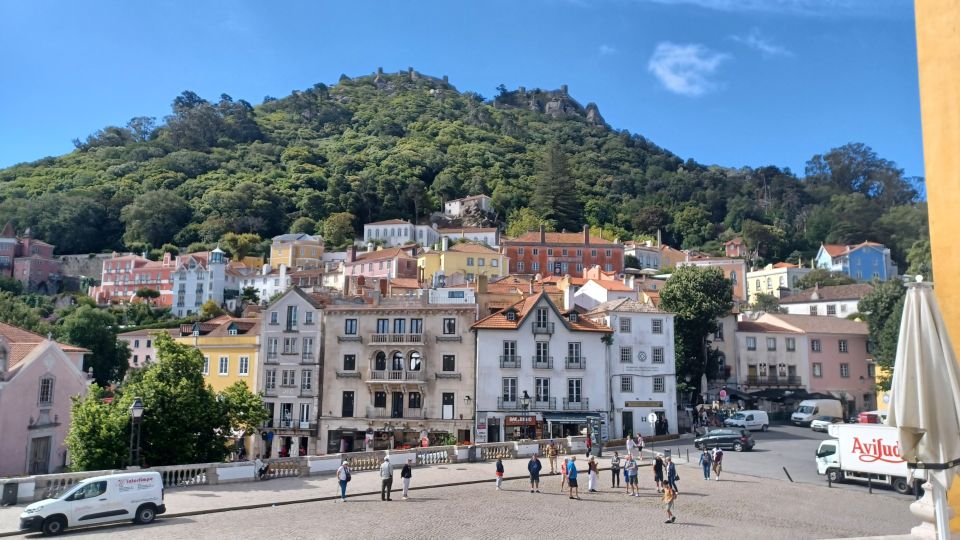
x: 296, y: 251
x: 230, y: 348
x: 777, y: 280
x: 938, y: 41
x: 464, y: 259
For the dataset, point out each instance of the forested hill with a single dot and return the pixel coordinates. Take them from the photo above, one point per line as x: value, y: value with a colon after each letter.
x: 396, y: 145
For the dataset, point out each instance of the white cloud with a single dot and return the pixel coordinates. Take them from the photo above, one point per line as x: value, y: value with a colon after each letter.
x: 756, y: 41
x: 685, y: 69
x: 606, y: 50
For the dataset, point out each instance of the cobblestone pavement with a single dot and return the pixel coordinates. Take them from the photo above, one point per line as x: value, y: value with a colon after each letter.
x: 738, y: 507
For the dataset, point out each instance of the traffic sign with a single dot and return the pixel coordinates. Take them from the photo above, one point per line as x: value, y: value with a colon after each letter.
x: 652, y: 418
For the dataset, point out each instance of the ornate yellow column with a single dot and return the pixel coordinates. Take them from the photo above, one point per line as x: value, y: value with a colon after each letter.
x: 938, y: 55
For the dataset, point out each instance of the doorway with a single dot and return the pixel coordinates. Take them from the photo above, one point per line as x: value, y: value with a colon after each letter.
x: 447, y: 405
x: 347, y: 406
x: 493, y: 429
x: 397, y: 410
x: 40, y: 455
x: 626, y: 420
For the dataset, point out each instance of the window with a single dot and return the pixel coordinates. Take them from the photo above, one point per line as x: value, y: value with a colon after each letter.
x: 542, y: 386
x: 232, y: 331
x: 845, y: 370
x: 46, y: 391
x: 519, y: 251
x: 495, y: 263
x: 574, y: 387
x: 481, y: 261
x: 349, y: 362
x: 658, y: 355
x: 449, y: 362
x: 383, y: 326
x: 815, y: 345
x: 626, y: 383
x: 564, y: 252
x: 469, y: 261
x: 718, y: 335
x: 308, y: 317
x: 244, y: 365
x: 625, y: 325
x: 511, y: 315
x: 414, y: 401
x: 350, y: 327
x: 149, y: 343
x: 771, y: 343
x: 510, y: 349
x: 380, y: 399
x: 534, y: 267
x: 657, y: 326
x: 842, y: 344
x: 791, y: 344
x: 136, y: 360
x: 733, y: 277
x: 136, y: 343
x: 291, y: 317
x: 272, y: 347
x: 271, y: 379
x: 274, y: 317
x: 751, y: 343
x: 871, y: 370
x: 520, y: 266
x: 399, y: 326
x: 817, y: 369
x: 573, y: 349
x: 224, y: 365
x: 626, y: 355
x: 608, y: 267
x: 769, y: 284
x: 593, y: 253
x: 609, y: 253
x: 659, y: 386
x: 305, y: 412
x: 289, y: 345
x: 449, y: 326
x: 306, y: 379
x: 541, y: 321
x: 307, y: 346
x: 535, y: 251
x: 813, y: 310
x: 549, y: 252
x: 288, y: 377
x: 206, y: 365
x: 543, y: 351
x: 510, y: 389
x: 831, y: 309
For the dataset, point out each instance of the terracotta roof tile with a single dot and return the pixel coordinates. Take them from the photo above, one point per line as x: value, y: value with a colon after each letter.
x: 388, y: 253
x: 21, y: 342
x: 470, y: 247
x: 533, y: 237
x: 390, y: 222
x: 754, y: 326
x: 499, y: 321
x: 830, y: 293
x: 816, y: 324
x: 612, y: 285
x: 835, y: 250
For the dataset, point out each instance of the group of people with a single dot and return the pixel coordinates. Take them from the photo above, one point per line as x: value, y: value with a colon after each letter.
x: 344, y: 475
x: 711, y: 460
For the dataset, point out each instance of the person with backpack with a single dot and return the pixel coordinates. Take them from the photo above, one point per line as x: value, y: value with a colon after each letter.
x: 499, y: 473
x: 534, y: 467
x: 658, y: 472
x: 706, y: 460
x: 615, y: 470
x: 343, y: 477
x: 405, y: 474
x: 717, y: 462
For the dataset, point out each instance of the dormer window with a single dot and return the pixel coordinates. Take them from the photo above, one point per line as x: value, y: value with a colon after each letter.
x: 573, y: 317
x: 511, y: 315
x: 232, y: 330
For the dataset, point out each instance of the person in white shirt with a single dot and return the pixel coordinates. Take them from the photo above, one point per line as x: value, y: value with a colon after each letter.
x: 631, y: 446
x: 343, y: 476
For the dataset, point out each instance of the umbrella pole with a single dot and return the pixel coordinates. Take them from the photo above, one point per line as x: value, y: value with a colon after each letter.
x: 942, y: 510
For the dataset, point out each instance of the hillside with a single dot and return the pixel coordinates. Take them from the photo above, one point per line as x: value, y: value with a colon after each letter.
x: 396, y: 145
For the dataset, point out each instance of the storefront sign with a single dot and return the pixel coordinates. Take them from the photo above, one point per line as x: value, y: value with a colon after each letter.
x: 520, y: 421
x: 643, y: 404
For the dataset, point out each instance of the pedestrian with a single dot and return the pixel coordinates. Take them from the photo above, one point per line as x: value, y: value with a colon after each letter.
x: 552, y: 456
x: 669, y: 496
x: 658, y: 472
x: 533, y: 467
x: 631, y: 445
x: 672, y: 475
x: 640, y: 446
x: 717, y: 462
x: 589, y: 444
x: 262, y: 469
x: 405, y: 474
x: 343, y: 476
x: 633, y: 469
x: 706, y: 460
x: 386, y: 479
x: 592, y: 472
x: 499, y: 473
x: 615, y: 470
x: 572, y: 477
x: 563, y: 474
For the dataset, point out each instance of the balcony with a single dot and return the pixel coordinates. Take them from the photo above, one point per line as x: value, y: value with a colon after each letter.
x: 384, y: 412
x: 582, y: 405
x: 542, y: 328
x: 396, y: 376
x: 774, y: 380
x: 576, y: 362
x: 548, y: 404
x: 396, y: 339
x: 272, y: 358
x: 348, y: 374
x: 542, y: 362
x: 349, y: 339
x: 307, y: 358
x: 510, y: 361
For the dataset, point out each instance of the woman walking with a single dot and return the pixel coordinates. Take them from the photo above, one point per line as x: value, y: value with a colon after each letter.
x: 592, y: 471
x: 499, y: 473
x: 343, y: 476
x: 717, y: 462
x: 705, y: 461
x: 668, y: 497
x: 658, y: 472
x: 563, y: 474
x: 615, y: 470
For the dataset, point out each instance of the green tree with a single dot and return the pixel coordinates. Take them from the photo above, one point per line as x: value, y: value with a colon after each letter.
x: 824, y: 278
x: 240, y: 245
x: 154, y: 217
x: 99, y: 433
x: 338, y: 230
x: 304, y: 225
x: 920, y: 259
x: 250, y: 295
x: 11, y: 285
x: 15, y: 311
x: 524, y: 220
x: 95, y: 329
x: 555, y: 192
x: 210, y: 309
x: 147, y: 294
x: 767, y: 303
x: 693, y: 225
x: 697, y: 297
x: 631, y: 261
x: 244, y: 409
x: 882, y: 308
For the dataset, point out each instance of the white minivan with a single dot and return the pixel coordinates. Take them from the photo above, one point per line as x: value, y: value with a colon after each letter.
x: 749, y: 420
x: 137, y: 496
x: 809, y: 409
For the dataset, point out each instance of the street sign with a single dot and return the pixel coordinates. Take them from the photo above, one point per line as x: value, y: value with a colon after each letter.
x: 652, y: 418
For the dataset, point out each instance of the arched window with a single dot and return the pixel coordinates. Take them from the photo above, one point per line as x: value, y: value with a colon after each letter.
x: 380, y: 361
x: 415, y: 361
x: 397, y: 363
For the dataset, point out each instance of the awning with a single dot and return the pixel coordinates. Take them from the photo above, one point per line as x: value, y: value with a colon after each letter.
x: 733, y: 393
x: 779, y: 395
x: 569, y: 417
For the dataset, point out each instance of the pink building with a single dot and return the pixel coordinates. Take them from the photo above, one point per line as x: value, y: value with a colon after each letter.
x: 124, y: 275
x: 29, y: 260
x: 396, y: 262
x: 140, y: 342
x: 38, y: 377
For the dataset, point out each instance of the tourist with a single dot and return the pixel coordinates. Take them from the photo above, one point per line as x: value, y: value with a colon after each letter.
x: 631, y: 445
x: 499, y: 473
x: 386, y: 479
x: 658, y: 472
x: 572, y: 477
x: 263, y: 469
x: 563, y: 474
x: 589, y: 444
x: 640, y: 446
x: 343, y: 476
x: 615, y: 470
x: 552, y: 456
x: 669, y: 496
x: 706, y: 460
x: 533, y: 467
x: 405, y: 474
x: 672, y: 475
x: 633, y: 469
x: 592, y: 471
x: 717, y: 462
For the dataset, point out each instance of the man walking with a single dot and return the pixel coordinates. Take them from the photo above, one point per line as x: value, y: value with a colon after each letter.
x: 672, y: 475
x: 405, y: 474
x: 386, y: 479
x: 658, y: 467
x: 615, y: 470
x: 572, y: 477
x: 533, y: 467
x: 632, y: 472
x: 552, y: 456
x: 706, y: 460
x: 717, y: 462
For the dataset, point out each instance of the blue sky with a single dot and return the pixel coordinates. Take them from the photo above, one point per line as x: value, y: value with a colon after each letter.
x: 730, y: 82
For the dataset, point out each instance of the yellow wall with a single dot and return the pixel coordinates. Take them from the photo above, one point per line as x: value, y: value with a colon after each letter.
x: 233, y: 347
x: 294, y: 254
x: 451, y: 262
x: 938, y: 55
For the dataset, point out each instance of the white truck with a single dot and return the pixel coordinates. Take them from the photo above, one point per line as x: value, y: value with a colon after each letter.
x: 809, y: 409
x: 862, y: 452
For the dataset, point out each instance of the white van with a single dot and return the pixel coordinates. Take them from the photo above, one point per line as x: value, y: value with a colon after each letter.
x: 101, y: 499
x: 749, y: 420
x: 810, y: 409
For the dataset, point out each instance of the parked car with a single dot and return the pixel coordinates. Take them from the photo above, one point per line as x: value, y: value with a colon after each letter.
x: 750, y: 420
x: 872, y: 417
x: 736, y: 439
x: 821, y: 423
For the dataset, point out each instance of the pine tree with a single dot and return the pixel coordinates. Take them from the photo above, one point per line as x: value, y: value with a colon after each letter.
x: 555, y: 192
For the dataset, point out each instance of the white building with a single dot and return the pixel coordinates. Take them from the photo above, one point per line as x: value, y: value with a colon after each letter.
x: 542, y: 372
x: 647, y: 254
x: 597, y: 291
x: 397, y: 232
x: 778, y: 280
x: 642, y: 367
x: 488, y: 236
x: 197, y: 278
x: 458, y: 207
x: 269, y: 282
x: 835, y: 300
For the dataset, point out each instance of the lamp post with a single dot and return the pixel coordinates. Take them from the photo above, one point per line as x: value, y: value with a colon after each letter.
x: 136, y: 415
x: 525, y: 401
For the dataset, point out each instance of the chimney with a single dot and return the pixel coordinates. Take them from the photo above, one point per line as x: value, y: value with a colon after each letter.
x: 166, y: 258
x: 530, y: 290
x: 658, y: 238
x: 586, y: 235
x: 265, y: 269
x: 351, y: 254
x: 543, y: 234
x: 444, y: 243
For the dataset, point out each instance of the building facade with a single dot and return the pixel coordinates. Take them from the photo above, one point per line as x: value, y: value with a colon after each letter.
x: 862, y: 262
x: 296, y: 250
x: 561, y: 253
x: 488, y: 236
x: 647, y: 254
x: 466, y: 260
x: 779, y: 280
x: 30, y: 261
x: 733, y: 269
x: 834, y: 301
x: 198, y: 278
x: 397, y: 232
x: 398, y: 370
x: 542, y: 372
x: 395, y: 262
x: 474, y: 203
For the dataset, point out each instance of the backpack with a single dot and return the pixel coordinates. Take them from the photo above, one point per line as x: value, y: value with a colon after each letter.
x: 349, y: 476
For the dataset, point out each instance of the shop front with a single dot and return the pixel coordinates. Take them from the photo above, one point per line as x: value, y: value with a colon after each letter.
x: 517, y: 428
x: 633, y: 418
x: 567, y: 424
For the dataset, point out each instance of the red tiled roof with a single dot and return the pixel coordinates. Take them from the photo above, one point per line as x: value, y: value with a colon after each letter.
x: 829, y: 293
x: 835, y: 250
x: 785, y: 265
x: 816, y: 324
x: 464, y: 230
x: 613, y: 285
x: 533, y: 237
x: 388, y: 253
x: 470, y: 247
x: 21, y: 342
x: 404, y: 283
x: 754, y: 326
x: 498, y: 320
x: 736, y: 240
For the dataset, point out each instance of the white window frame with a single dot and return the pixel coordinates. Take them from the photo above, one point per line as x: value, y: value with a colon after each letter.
x: 223, y: 365
x: 243, y: 368
x: 659, y: 385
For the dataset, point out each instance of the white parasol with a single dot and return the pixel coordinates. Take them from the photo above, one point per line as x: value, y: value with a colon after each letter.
x: 925, y: 396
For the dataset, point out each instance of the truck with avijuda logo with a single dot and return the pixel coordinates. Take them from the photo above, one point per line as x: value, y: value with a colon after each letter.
x: 865, y: 453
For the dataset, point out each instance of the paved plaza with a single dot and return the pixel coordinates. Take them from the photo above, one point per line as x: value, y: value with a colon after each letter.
x: 737, y: 507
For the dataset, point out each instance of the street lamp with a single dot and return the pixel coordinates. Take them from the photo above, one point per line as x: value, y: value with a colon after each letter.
x: 136, y: 415
x: 525, y: 400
